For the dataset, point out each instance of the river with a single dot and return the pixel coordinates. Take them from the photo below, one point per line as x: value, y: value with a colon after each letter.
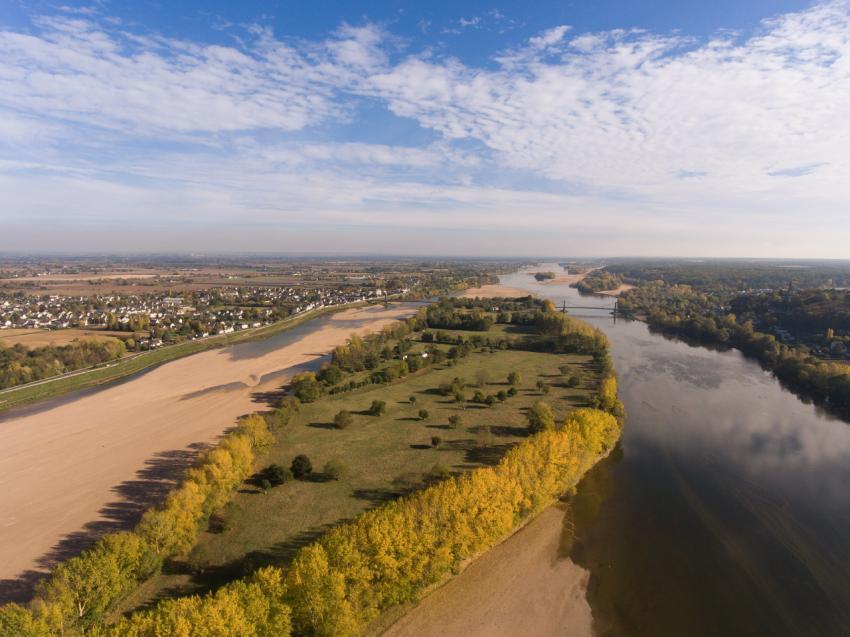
x: 725, y: 509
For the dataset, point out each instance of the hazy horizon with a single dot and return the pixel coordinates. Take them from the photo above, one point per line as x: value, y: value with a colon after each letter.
x: 634, y: 129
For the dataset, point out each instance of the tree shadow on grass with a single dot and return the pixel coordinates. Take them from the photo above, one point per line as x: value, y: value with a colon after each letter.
x: 377, y: 497
x: 322, y: 425
x: 488, y: 455
x: 272, y: 397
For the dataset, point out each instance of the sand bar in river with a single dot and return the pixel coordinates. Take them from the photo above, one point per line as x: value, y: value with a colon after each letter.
x: 520, y: 587
x: 85, y: 463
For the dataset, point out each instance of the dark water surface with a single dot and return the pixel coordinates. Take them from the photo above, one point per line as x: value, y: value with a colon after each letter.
x: 726, y: 509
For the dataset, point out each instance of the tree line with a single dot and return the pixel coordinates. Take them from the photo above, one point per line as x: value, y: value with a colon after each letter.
x: 391, y: 555
x: 80, y: 592
x: 680, y: 311
x: 20, y: 364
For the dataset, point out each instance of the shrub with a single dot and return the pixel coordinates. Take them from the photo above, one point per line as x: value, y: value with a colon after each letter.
x: 455, y: 421
x: 334, y: 470
x: 330, y: 374
x: 514, y: 379
x: 540, y: 417
x: 490, y: 400
x: 412, y: 400
x: 502, y: 396
x: 343, y: 419
x: 574, y: 379
x: 277, y: 474
x: 512, y: 391
x: 423, y: 414
x: 301, y: 467
x: 305, y: 387
x: 378, y: 408
x: 435, y: 441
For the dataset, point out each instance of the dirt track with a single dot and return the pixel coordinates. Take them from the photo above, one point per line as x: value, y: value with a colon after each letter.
x: 92, y: 464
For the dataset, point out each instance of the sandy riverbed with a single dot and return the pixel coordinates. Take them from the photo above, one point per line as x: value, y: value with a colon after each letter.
x: 520, y: 587
x: 494, y: 290
x: 79, y: 466
x: 625, y: 287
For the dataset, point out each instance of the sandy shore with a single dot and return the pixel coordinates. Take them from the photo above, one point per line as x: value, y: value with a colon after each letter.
x: 91, y: 464
x: 494, y: 290
x: 520, y: 587
x: 625, y: 287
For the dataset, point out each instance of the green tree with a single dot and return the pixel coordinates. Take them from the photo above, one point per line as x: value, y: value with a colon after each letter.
x: 423, y: 414
x: 540, y: 417
x: 514, y: 379
x: 301, y: 467
x: 378, y: 408
x: 343, y: 419
x: 277, y: 474
x: 455, y: 421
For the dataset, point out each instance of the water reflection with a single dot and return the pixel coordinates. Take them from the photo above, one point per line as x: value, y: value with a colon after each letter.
x: 726, y: 510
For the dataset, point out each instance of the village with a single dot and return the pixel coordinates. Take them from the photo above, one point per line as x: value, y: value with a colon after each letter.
x: 152, y: 320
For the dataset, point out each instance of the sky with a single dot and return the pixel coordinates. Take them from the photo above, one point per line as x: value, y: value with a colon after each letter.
x: 594, y: 128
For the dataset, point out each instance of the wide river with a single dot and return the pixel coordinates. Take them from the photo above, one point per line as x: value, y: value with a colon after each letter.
x: 726, y: 508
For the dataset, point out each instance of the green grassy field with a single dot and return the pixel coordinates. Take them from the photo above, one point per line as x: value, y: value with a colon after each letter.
x: 384, y: 457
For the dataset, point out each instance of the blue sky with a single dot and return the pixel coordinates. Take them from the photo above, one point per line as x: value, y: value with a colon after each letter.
x: 570, y: 128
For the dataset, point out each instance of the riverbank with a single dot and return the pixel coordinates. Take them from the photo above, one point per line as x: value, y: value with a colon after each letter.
x: 15, y: 397
x: 625, y: 287
x: 520, y: 587
x: 92, y: 465
x: 495, y: 290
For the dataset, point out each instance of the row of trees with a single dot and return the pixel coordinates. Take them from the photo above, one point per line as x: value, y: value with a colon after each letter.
x: 562, y: 333
x: 446, y: 316
x: 82, y: 591
x: 19, y: 364
x: 390, y: 555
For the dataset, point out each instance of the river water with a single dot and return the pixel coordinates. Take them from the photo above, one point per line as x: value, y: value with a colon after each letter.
x: 726, y: 508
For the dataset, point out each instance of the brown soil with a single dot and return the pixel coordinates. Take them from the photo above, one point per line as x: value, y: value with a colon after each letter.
x: 521, y: 587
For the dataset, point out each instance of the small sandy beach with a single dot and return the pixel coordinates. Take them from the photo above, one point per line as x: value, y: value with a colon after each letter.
x: 520, y: 587
x: 625, y: 287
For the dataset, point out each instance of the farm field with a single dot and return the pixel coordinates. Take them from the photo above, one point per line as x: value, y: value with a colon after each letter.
x: 259, y: 528
x: 32, y: 338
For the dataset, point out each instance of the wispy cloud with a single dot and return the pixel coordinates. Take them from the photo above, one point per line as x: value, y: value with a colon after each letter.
x: 620, y: 130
